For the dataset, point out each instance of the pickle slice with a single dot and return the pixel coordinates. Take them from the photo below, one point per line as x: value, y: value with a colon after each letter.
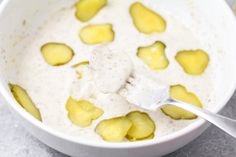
x: 146, y: 20
x: 87, y: 9
x: 80, y: 64
x: 24, y: 100
x: 56, y: 54
x: 115, y: 129
x: 143, y: 126
x: 180, y: 92
x: 79, y: 74
x: 154, y: 56
x: 146, y: 138
x: 79, y: 68
x: 149, y: 137
x: 82, y: 112
x: 95, y: 34
x: 193, y: 62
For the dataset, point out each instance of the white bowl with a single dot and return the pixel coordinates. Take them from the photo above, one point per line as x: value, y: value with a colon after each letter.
x: 219, y: 18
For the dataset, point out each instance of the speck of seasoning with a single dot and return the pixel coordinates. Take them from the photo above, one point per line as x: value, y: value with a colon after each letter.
x: 23, y: 22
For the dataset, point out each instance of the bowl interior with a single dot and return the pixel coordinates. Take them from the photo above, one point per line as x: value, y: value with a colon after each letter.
x: 21, y: 19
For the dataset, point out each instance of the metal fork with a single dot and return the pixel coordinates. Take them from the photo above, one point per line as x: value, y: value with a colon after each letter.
x: 151, y: 95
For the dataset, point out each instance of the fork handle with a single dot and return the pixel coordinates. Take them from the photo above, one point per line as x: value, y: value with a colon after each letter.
x: 226, y: 124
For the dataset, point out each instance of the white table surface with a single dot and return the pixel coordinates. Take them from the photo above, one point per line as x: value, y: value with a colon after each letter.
x: 16, y: 142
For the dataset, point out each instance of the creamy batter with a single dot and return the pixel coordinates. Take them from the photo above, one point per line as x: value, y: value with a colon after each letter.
x: 50, y: 86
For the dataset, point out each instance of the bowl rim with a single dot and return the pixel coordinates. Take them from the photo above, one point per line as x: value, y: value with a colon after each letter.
x: 123, y: 145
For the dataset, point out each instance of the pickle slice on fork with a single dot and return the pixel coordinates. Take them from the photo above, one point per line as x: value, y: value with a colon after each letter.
x: 180, y: 92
